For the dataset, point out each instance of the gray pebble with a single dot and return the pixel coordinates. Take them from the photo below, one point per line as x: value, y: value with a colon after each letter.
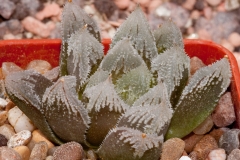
x: 229, y: 140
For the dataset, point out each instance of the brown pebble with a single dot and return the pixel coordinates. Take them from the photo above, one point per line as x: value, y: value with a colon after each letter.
x: 224, y: 113
x: 195, y: 64
x: 205, y: 146
x: 70, y: 150
x: 9, y: 154
x: 23, y: 151
x: 39, y: 151
x: 40, y: 66
x: 7, y: 130
x: 191, y: 140
x: 37, y: 136
x: 217, y: 133
x: 234, y: 39
x: 175, y: 146
x: 9, y: 106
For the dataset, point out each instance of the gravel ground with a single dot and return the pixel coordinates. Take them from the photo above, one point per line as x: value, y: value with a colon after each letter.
x: 216, y: 20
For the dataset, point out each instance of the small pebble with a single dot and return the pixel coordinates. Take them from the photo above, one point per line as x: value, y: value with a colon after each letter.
x: 19, y: 139
x: 175, y: 146
x: 217, y: 154
x: 190, y: 141
x: 91, y: 155
x: 37, y: 136
x: 9, y: 154
x: 49, y: 10
x: 70, y: 150
x: 3, y: 140
x: 7, y: 130
x: 3, y: 117
x: 49, y: 158
x: 204, y: 127
x: 234, y: 155
x: 217, y: 133
x: 195, y: 64
x: 52, y: 150
x: 3, y: 103
x: 122, y: 4
x: 23, y: 151
x: 227, y: 45
x: 39, y: 151
x: 19, y: 120
x: 40, y: 66
x: 234, y: 39
x: 229, y: 140
x: 224, y: 113
x: 9, y: 67
x: 185, y: 158
x: 205, y: 146
x: 214, y: 2
x: 189, y: 4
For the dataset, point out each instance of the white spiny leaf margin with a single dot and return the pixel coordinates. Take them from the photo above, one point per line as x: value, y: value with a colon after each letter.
x: 122, y: 55
x: 27, y: 81
x: 168, y: 35
x: 154, y: 96
x: 170, y: 66
x: 139, y: 141
x: 64, y: 92
x: 153, y: 117
x: 83, y: 50
x: 74, y: 18
x: 104, y: 95
x: 137, y: 29
x: 220, y: 69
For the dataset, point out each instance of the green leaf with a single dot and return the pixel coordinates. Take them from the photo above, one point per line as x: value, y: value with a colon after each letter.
x: 199, y: 98
x: 65, y: 114
x: 168, y: 35
x: 134, y: 84
x: 124, y: 143
x: 25, y: 89
x: 136, y: 28
x: 173, y: 67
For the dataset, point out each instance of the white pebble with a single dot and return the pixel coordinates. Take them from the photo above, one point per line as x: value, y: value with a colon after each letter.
x: 217, y: 154
x: 185, y: 158
x: 3, y: 103
x: 19, y: 139
x: 19, y: 120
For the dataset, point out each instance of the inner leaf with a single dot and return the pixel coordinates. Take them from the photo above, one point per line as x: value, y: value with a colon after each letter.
x: 134, y: 84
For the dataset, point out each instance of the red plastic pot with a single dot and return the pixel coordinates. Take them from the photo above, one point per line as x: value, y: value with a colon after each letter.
x: 23, y: 51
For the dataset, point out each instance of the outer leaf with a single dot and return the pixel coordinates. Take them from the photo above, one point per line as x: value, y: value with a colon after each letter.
x: 199, y: 98
x: 26, y: 89
x: 84, y: 55
x: 173, y: 67
x: 151, y: 113
x: 128, y: 144
x: 134, y: 84
x: 65, y: 114
x: 105, y: 107
x: 168, y: 35
x: 74, y: 18
x: 137, y: 30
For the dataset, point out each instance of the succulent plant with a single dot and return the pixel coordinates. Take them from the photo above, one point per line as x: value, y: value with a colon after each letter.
x: 125, y: 103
